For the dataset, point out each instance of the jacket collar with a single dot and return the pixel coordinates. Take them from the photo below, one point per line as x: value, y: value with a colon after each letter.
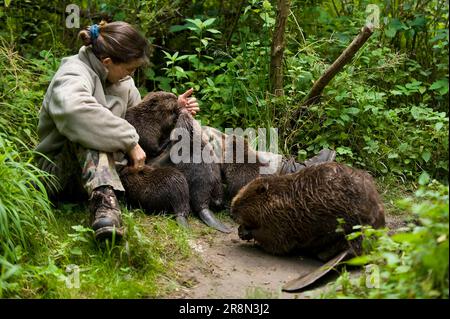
x: 88, y: 57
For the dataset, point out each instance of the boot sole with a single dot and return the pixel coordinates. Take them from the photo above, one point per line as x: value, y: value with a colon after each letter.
x: 107, y: 233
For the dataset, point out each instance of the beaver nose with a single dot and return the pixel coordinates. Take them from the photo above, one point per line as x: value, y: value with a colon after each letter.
x: 244, y: 233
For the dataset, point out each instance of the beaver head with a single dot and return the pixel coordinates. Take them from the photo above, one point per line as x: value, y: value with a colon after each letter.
x: 154, y: 118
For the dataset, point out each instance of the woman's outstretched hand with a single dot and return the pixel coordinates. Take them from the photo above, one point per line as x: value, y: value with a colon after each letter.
x: 190, y: 103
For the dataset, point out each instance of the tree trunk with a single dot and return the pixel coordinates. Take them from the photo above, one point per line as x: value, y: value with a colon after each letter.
x: 278, y: 44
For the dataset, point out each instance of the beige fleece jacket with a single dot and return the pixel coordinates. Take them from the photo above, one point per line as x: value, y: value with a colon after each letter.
x: 81, y: 106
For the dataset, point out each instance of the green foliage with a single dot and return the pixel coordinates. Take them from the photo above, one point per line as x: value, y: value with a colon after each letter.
x: 24, y: 208
x: 414, y: 262
x: 357, y: 119
x: 132, y: 268
x: 23, y: 84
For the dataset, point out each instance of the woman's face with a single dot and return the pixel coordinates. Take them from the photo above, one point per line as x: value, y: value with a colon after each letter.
x: 117, y: 71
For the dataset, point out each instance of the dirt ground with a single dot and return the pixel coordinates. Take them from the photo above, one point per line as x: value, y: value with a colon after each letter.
x: 224, y: 266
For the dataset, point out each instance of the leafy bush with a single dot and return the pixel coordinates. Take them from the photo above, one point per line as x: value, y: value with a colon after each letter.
x: 413, y: 263
x: 358, y: 119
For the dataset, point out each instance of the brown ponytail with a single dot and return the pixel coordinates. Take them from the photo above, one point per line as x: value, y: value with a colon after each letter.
x: 118, y: 41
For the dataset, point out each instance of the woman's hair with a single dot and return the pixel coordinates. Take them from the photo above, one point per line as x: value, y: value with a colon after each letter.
x: 116, y: 40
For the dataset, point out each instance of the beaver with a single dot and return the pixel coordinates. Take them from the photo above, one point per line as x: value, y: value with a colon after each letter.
x: 157, y: 189
x: 154, y: 118
x: 203, y: 176
x: 240, y: 163
x: 300, y: 212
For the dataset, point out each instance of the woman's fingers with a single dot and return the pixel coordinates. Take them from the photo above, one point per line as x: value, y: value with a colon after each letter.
x: 187, y: 93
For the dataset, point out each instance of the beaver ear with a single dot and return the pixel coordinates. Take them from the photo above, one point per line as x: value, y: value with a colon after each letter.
x: 262, y: 188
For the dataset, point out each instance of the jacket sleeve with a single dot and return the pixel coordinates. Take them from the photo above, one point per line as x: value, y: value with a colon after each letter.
x: 78, y: 116
x: 134, y: 96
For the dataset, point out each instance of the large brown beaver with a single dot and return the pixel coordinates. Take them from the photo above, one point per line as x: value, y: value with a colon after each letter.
x: 300, y: 211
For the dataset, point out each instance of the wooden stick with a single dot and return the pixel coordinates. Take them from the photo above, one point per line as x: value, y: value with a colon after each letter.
x: 314, y: 95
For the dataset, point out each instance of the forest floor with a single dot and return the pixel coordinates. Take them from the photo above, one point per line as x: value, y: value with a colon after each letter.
x: 224, y: 266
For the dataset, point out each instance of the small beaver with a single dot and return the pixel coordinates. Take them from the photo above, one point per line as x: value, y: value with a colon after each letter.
x: 158, y: 189
x: 240, y: 163
x: 203, y: 176
x: 299, y: 212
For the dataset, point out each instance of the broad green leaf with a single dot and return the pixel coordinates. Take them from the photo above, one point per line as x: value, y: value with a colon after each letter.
x: 396, y: 92
x: 391, y: 258
x: 416, y: 112
x: 266, y: 5
x: 360, y: 260
x: 426, y: 155
x: 440, y: 85
x: 352, y: 110
x: 438, y: 126
x: 392, y: 155
x: 76, y: 251
x: 390, y: 32
x: 419, y: 21
x: 353, y: 235
x: 402, y: 269
x: 167, y: 54
x: 345, y: 117
x: 213, y: 31
x: 179, y: 69
x: 397, y: 25
x: 209, y: 22
x: 343, y: 150
x: 424, y: 178
x: 210, y: 82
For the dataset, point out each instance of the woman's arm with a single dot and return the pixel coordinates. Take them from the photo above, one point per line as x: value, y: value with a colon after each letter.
x: 78, y: 116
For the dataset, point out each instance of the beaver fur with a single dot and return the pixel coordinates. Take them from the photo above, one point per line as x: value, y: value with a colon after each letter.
x: 154, y: 118
x: 204, y: 177
x: 238, y: 172
x: 160, y: 189
x: 300, y: 211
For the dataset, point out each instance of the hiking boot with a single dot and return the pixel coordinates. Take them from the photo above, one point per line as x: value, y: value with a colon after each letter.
x: 290, y: 166
x: 106, y: 214
x: 324, y: 155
